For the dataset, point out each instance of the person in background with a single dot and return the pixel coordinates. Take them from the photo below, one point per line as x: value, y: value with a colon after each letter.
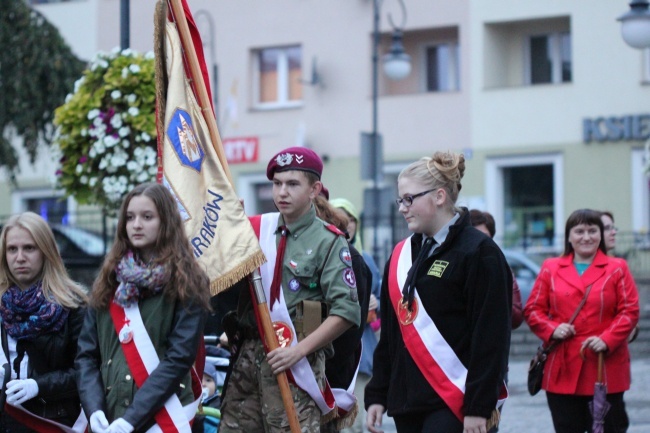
x: 148, y: 308
x: 208, y: 417
x: 42, y: 311
x: 371, y: 324
x: 602, y: 290
x: 312, y: 268
x: 446, y: 294
x: 484, y: 222
x: 609, y: 232
x: 341, y: 368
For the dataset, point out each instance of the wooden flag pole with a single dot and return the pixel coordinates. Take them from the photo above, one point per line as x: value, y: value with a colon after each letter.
x: 206, y: 107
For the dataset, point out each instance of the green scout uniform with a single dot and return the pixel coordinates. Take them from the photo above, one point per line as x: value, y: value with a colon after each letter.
x: 316, y: 267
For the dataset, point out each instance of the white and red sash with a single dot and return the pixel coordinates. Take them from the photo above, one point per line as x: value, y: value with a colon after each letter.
x: 434, y: 357
x: 37, y: 423
x: 343, y: 400
x: 142, y: 359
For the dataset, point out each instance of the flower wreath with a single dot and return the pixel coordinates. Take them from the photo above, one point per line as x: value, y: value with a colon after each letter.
x: 106, y: 130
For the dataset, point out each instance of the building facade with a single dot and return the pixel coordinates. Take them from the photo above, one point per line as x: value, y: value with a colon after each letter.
x: 545, y: 100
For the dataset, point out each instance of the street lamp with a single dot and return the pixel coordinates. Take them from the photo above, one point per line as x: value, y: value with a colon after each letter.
x: 397, y: 66
x: 635, y: 25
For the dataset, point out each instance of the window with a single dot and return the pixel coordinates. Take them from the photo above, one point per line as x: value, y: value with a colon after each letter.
x: 549, y: 59
x: 277, y: 78
x: 442, y: 66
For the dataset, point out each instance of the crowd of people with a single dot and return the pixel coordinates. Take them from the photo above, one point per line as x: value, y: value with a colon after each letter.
x: 425, y: 343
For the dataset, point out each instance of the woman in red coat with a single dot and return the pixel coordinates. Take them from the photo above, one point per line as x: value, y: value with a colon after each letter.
x: 609, y: 314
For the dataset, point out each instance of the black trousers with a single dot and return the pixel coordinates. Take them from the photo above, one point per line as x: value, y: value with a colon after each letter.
x: 438, y: 421
x: 571, y: 414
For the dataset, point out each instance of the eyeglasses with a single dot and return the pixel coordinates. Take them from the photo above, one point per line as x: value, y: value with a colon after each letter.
x: 609, y: 228
x: 407, y: 200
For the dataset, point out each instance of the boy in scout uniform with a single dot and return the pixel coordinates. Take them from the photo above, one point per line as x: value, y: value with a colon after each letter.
x: 313, y: 282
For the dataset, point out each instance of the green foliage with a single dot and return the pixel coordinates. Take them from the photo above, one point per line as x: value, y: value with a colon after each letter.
x: 37, y: 70
x: 106, y: 130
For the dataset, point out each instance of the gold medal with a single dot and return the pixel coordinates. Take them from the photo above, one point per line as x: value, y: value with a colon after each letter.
x: 406, y: 316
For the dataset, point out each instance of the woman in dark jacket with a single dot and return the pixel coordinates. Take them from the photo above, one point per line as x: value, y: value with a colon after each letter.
x: 42, y: 311
x: 142, y: 331
x: 446, y: 299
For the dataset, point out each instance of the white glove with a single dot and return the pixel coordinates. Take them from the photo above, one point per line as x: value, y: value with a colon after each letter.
x: 373, y: 304
x: 98, y: 422
x: 120, y: 426
x: 19, y: 391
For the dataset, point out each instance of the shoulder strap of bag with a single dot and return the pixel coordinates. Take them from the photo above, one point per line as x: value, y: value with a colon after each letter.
x: 573, y: 317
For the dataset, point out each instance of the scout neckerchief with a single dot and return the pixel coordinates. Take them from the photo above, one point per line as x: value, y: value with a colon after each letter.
x: 435, y: 359
x: 265, y: 227
x: 142, y: 359
x: 35, y: 422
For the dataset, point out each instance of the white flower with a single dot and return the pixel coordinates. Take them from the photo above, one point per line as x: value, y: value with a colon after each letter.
x: 98, y: 121
x: 134, y: 111
x: 126, y: 144
x: 83, y: 132
x: 111, y: 141
x: 153, y: 170
x: 131, y: 98
x: 128, y: 52
x: 116, y: 50
x: 99, y: 147
x: 83, y: 179
x: 134, y: 68
x: 103, y: 163
x: 133, y: 166
x: 116, y: 120
x: 92, y: 152
x: 68, y: 97
x: 103, y: 64
x: 145, y: 137
x: 79, y: 169
x: 116, y: 94
x: 125, y: 72
x: 124, y: 131
x: 93, y: 113
x: 92, y: 182
x: 79, y: 83
x: 149, y: 55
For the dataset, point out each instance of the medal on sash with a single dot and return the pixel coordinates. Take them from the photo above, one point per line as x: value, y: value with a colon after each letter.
x: 283, y: 333
x: 126, y: 334
x: 406, y: 316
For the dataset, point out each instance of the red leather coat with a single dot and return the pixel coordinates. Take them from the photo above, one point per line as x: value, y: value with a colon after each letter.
x: 610, y: 312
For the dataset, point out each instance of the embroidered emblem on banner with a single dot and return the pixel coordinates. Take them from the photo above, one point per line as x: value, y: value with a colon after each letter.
x: 438, y: 268
x: 184, y: 140
x: 405, y: 316
x: 345, y: 256
x: 349, y: 278
x: 283, y: 333
x: 294, y: 285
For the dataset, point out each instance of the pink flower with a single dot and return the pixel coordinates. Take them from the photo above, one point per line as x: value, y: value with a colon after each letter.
x: 83, y: 159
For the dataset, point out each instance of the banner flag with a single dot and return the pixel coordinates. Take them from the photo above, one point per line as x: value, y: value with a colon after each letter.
x: 218, y: 230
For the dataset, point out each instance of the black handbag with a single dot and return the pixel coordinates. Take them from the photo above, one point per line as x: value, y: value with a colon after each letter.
x: 536, y: 367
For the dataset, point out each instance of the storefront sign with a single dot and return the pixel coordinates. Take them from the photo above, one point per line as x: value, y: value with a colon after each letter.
x: 625, y: 128
x: 241, y: 149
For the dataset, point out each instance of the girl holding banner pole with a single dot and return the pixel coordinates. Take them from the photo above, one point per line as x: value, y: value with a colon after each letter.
x: 443, y: 351
x: 142, y: 331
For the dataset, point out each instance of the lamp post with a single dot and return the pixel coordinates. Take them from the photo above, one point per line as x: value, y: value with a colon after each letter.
x: 125, y: 33
x: 397, y: 66
x: 635, y: 24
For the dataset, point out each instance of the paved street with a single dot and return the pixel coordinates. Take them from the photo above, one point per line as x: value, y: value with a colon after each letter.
x: 526, y: 414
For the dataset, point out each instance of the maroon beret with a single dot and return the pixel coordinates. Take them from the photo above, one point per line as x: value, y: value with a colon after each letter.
x: 325, y: 193
x: 295, y: 158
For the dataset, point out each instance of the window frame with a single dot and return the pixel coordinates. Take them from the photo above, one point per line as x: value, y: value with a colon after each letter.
x: 453, y: 64
x: 283, y: 70
x: 555, y: 46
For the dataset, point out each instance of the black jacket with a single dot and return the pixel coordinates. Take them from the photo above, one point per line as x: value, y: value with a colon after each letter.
x: 341, y: 367
x: 51, y: 365
x: 470, y: 304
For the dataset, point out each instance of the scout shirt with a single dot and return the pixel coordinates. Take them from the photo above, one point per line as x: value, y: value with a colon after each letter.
x: 317, y: 266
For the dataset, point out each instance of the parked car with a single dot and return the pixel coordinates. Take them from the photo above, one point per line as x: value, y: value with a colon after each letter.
x: 526, y: 268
